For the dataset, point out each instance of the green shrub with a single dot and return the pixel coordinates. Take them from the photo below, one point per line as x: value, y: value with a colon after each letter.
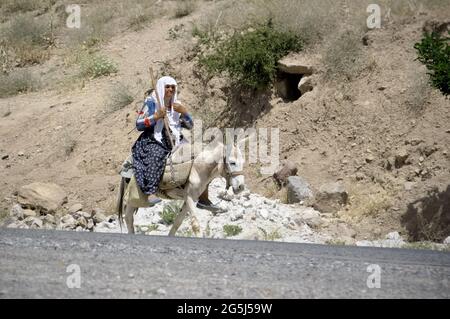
x: 97, y: 65
x: 250, y: 57
x: 272, y: 236
x: 232, y: 230
x: 434, y: 52
x: 170, y: 211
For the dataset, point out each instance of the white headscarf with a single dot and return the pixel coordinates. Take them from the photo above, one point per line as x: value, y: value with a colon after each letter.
x: 172, y: 116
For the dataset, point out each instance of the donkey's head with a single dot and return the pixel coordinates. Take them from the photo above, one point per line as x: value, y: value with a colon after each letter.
x: 234, y: 168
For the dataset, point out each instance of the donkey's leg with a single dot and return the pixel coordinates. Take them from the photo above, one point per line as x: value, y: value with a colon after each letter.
x: 129, y: 218
x: 178, y: 220
x: 188, y: 209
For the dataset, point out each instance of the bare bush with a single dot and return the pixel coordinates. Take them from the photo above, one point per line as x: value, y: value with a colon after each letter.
x: 27, y: 39
x: 120, y: 97
x: 184, y: 8
x: 344, y: 57
x: 18, y: 81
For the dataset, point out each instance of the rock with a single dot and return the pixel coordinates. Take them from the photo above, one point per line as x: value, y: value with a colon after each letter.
x: 5, y: 157
x: 370, y: 158
x: 289, y: 169
x: 112, y: 218
x: 408, y: 185
x: 390, y: 163
x: 16, y: 212
x: 330, y: 198
x: 247, y: 204
x: 366, y: 40
x: 29, y: 213
x: 28, y: 220
x: 360, y: 176
x: 99, y: 217
x: 82, y: 222
x: 297, y: 190
x: 75, y: 208
x: 295, y: 66
x: 263, y: 213
x: 436, y: 26
x: 393, y: 240
x: 12, y: 225
x: 306, y: 84
x: 90, y: 224
x: 235, y: 216
x: 45, y: 197
x: 20, y: 154
x: 414, y: 141
x: 311, y: 217
x: 447, y: 240
x: 67, y: 221
x: 251, y: 234
x: 161, y: 292
x: 400, y: 158
x: 144, y: 229
x: 36, y: 223
x: 249, y: 215
x: 18, y: 224
x: 227, y: 195
x: 97, y: 210
x: 49, y: 219
x: 85, y: 214
x: 393, y: 236
x: 427, y: 150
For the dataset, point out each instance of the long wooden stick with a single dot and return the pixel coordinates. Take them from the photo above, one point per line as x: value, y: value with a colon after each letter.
x: 166, y: 123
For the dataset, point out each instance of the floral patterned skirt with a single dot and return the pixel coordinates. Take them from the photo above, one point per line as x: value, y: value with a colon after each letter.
x: 149, y: 160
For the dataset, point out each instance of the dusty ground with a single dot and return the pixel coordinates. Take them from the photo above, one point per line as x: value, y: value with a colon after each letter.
x: 342, y: 130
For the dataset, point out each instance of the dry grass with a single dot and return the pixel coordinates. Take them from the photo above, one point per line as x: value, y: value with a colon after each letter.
x: 270, y: 236
x: 418, y: 93
x: 344, y: 57
x: 97, y: 26
x: 68, y: 142
x: 26, y: 40
x: 138, y: 20
x: 120, y: 97
x: 184, y: 8
x: 11, y: 7
x: 18, y: 81
x: 368, y: 201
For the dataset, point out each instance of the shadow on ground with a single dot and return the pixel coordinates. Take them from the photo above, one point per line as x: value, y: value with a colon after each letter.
x: 428, y: 218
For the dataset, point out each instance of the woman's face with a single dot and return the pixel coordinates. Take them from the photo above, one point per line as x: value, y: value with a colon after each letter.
x: 169, y: 91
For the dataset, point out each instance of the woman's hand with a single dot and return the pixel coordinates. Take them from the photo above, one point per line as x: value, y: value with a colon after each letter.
x: 159, y: 114
x: 179, y: 108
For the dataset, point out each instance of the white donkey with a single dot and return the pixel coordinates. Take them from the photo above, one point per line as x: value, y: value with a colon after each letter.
x: 214, y: 161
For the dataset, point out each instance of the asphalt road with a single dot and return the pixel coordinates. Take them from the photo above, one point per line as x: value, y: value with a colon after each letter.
x: 63, y: 264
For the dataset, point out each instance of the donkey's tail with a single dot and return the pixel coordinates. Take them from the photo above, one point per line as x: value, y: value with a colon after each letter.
x: 119, y: 207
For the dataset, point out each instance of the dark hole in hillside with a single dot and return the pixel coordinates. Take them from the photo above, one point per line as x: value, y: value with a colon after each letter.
x: 286, y: 85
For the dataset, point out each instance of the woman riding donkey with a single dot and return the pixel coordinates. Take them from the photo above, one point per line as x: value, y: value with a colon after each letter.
x: 153, y: 145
